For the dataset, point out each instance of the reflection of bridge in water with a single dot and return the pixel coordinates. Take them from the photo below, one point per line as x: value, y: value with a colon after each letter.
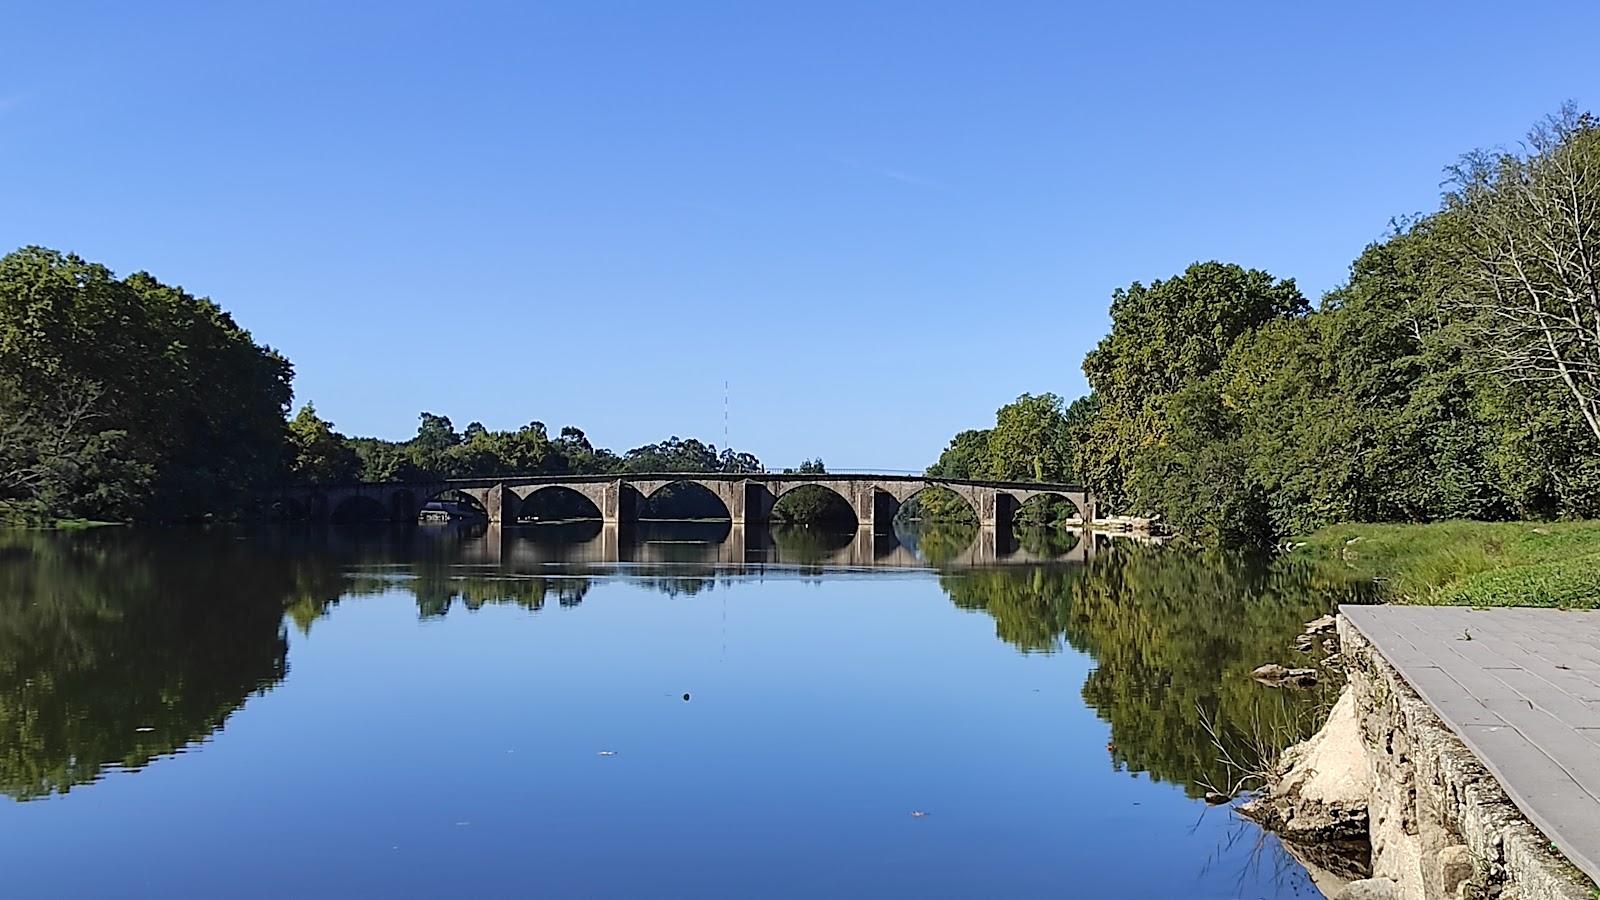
x: 604, y: 547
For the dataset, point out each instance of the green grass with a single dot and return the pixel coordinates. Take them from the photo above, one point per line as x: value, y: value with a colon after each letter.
x: 1472, y: 563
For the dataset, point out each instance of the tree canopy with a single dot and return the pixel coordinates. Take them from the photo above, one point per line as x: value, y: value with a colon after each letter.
x: 1456, y: 374
x: 122, y: 397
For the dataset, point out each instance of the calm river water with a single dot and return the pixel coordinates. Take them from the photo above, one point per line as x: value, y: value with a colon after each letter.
x: 673, y: 712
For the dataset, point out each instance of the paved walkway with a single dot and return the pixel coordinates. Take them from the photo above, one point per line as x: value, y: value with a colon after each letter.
x: 1522, y: 689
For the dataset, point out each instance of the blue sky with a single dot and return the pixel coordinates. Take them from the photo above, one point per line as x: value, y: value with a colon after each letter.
x: 876, y: 221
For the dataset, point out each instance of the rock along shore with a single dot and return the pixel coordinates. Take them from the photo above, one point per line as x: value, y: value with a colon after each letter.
x: 1386, y: 770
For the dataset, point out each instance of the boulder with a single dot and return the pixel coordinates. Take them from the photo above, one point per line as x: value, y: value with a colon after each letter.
x: 1320, y: 788
x: 1270, y: 672
x: 1301, y: 678
x: 1321, y: 625
x: 1274, y: 675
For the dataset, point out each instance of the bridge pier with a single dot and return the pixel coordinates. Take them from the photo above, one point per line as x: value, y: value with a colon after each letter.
x: 866, y: 510
x: 996, y: 509
x: 885, y: 506
x: 618, y: 504
x: 758, y: 501
x: 500, y: 504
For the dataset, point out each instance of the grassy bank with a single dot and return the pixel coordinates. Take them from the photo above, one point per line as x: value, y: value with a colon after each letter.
x: 1472, y: 563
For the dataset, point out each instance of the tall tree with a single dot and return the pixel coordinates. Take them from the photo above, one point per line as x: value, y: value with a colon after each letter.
x: 1163, y: 338
x: 1030, y: 441
x: 966, y: 457
x: 317, y: 453
x: 195, y: 405
x: 1531, y: 238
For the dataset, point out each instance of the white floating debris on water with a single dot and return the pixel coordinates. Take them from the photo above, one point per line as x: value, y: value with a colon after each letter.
x: 917, y: 814
x: 143, y: 729
x: 607, y: 753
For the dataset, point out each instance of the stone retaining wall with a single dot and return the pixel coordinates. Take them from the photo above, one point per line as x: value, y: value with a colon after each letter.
x: 1441, y: 826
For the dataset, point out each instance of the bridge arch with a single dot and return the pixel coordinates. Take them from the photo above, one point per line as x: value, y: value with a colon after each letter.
x: 559, y: 503
x: 814, y: 501
x: 684, y: 498
x: 1025, y: 498
x: 468, y: 500
x: 930, y: 490
x: 359, y: 508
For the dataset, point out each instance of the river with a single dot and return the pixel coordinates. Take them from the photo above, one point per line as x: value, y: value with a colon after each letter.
x: 680, y: 711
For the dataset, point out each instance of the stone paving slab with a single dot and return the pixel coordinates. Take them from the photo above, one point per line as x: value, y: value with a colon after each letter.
x: 1522, y: 691
x: 1521, y: 687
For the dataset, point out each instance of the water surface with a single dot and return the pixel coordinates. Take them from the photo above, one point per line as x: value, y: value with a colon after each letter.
x: 670, y: 712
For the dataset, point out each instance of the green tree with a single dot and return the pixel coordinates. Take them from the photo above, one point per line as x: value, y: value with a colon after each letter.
x: 1163, y: 338
x: 1030, y: 441
x: 317, y: 453
x: 1530, y: 256
x: 193, y: 406
x: 966, y: 457
x: 686, y: 455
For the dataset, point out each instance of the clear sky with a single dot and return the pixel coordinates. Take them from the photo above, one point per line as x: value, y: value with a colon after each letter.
x: 875, y: 221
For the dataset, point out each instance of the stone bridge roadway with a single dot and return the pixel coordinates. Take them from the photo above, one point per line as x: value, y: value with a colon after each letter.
x: 747, y: 497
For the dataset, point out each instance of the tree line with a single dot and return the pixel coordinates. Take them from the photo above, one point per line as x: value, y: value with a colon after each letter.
x: 318, y: 454
x: 1456, y: 374
x: 126, y: 398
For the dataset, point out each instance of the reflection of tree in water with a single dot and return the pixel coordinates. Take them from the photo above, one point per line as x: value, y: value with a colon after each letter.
x: 437, y: 592
x: 116, y: 652
x: 1029, y: 605
x: 107, y: 633
x: 936, y: 543
x: 684, y: 585
x: 804, y: 546
x: 1048, y: 542
x: 1175, y: 636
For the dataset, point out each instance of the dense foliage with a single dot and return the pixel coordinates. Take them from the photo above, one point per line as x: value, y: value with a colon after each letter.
x: 1455, y: 375
x: 127, y: 397
x: 440, y: 451
x: 1034, y: 438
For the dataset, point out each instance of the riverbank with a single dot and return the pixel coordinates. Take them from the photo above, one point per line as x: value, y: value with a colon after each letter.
x: 1386, y: 764
x: 1471, y: 563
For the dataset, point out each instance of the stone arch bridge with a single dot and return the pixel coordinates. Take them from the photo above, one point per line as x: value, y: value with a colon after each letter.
x: 748, y: 497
